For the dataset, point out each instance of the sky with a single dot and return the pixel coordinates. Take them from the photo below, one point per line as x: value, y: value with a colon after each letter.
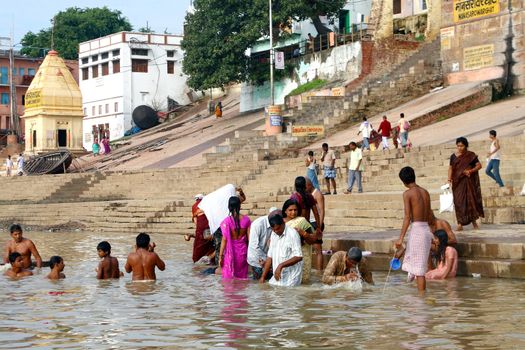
x: 33, y: 15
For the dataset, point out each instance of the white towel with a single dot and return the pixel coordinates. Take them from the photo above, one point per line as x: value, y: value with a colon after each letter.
x: 215, y: 205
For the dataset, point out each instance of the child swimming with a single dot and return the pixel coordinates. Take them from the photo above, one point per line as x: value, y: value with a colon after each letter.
x: 108, y: 266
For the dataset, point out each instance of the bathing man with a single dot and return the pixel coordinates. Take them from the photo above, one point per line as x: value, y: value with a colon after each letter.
x: 417, y: 209
x: 25, y: 247
x: 144, y: 260
x: 347, y: 266
x: 17, y: 270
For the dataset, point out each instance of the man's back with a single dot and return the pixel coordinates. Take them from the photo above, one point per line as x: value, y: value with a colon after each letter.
x: 109, y: 268
x: 419, y: 204
x: 142, y: 263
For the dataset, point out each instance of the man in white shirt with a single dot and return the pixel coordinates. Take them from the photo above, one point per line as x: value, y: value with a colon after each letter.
x: 365, y: 129
x: 8, y: 166
x: 284, y: 255
x: 355, y: 168
x: 260, y: 232
x: 404, y: 126
x: 20, y: 164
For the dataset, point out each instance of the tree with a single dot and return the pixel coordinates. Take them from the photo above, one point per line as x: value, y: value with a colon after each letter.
x: 218, y: 33
x: 73, y: 26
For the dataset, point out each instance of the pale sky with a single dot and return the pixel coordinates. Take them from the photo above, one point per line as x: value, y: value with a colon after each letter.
x: 33, y: 15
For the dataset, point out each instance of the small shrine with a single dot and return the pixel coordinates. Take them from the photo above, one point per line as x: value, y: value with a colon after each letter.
x: 53, y: 109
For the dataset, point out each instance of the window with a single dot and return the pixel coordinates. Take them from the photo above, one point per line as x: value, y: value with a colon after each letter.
x: 23, y: 100
x: 171, y: 67
x: 85, y: 60
x: 139, y: 52
x: 116, y: 107
x: 116, y: 66
x: 99, y: 109
x: 397, y: 7
x: 104, y: 55
x: 170, y: 53
x: 5, y: 98
x: 94, y: 58
x: 31, y: 72
x: 4, y: 75
x: 93, y: 110
x: 105, y: 68
x: 14, y: 71
x: 423, y: 4
x: 116, y: 52
x: 85, y: 111
x: 21, y: 71
x: 85, y: 73
x: 107, y: 108
x: 95, y: 71
x: 139, y: 66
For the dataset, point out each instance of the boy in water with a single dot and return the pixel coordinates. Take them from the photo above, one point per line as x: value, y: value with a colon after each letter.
x: 144, y: 260
x: 417, y: 209
x: 17, y: 270
x: 108, y: 266
x: 25, y: 247
x: 56, y: 263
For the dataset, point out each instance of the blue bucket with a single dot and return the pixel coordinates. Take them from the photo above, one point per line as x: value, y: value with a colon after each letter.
x: 395, y: 264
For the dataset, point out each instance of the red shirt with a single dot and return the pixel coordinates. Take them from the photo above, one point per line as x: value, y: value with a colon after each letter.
x: 385, y: 128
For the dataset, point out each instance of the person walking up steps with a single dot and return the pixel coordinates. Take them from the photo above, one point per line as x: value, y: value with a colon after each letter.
x: 328, y: 160
x: 366, y: 130
x: 385, y: 128
x: 404, y: 126
x: 494, y: 159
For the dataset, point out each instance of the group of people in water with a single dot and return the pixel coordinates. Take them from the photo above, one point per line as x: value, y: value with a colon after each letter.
x: 278, y: 247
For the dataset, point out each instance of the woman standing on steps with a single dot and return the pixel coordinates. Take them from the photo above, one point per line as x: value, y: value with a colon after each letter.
x: 233, y: 255
x: 463, y: 175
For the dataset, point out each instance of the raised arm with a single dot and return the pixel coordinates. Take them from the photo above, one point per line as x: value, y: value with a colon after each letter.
x: 242, y: 196
x: 160, y: 264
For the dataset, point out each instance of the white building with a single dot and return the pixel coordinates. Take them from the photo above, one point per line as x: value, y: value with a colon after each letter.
x: 124, y: 70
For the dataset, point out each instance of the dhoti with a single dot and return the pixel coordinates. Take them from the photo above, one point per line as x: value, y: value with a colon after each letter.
x: 418, y: 249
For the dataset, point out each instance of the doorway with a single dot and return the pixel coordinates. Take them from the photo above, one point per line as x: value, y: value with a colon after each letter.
x: 62, y: 137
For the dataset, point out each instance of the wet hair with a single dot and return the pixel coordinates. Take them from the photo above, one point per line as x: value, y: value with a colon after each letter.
x: 143, y: 240
x: 364, y: 119
x: 442, y: 236
x: 275, y: 220
x: 407, y: 175
x: 234, y: 207
x: 15, y: 228
x: 325, y: 145
x: 402, y: 115
x: 104, y: 246
x: 352, y: 144
x: 311, y: 153
x: 300, y: 187
x: 288, y: 203
x: 13, y: 256
x: 492, y: 133
x: 55, y: 259
x: 354, y: 254
x: 462, y: 140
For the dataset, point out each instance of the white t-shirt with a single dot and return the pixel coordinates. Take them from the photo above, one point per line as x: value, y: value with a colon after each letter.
x: 20, y: 162
x: 365, y: 129
x: 401, y: 124
x: 282, y: 248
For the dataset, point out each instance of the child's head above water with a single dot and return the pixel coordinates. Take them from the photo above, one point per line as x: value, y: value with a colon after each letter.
x: 104, y: 249
x: 13, y: 257
x: 143, y: 240
x: 56, y: 261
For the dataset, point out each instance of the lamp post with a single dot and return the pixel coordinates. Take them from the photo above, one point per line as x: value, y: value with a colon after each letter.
x: 271, y: 55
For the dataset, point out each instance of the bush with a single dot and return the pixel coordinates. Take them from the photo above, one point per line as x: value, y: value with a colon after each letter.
x: 311, y: 85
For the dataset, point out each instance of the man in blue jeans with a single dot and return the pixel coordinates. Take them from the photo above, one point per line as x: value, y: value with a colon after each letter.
x: 493, y: 159
x: 355, y: 168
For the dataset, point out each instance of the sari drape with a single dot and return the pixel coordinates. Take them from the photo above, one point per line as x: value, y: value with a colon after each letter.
x: 468, y: 202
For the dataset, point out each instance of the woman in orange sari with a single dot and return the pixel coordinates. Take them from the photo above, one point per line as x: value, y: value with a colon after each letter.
x: 464, y: 177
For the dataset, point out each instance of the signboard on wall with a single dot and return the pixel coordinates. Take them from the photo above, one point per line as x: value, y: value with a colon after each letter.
x: 465, y: 10
x: 446, y: 38
x: 307, y: 130
x: 476, y: 57
x: 279, y: 60
x: 33, y: 99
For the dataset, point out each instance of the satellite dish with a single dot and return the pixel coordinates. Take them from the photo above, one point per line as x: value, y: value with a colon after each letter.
x: 145, y: 117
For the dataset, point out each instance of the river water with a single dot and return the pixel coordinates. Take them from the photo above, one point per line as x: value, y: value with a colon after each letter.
x: 185, y: 309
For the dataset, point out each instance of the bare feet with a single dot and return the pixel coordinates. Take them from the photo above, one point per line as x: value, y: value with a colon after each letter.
x: 187, y: 238
x: 475, y: 225
x: 459, y: 228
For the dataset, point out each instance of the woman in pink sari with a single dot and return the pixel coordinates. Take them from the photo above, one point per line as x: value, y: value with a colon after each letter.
x: 233, y: 256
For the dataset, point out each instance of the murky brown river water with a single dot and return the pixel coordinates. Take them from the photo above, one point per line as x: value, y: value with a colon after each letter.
x: 187, y: 310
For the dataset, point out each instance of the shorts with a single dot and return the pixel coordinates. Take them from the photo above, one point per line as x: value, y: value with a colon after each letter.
x: 329, y: 173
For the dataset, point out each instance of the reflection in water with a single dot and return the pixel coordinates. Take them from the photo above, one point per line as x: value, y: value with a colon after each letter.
x: 185, y: 309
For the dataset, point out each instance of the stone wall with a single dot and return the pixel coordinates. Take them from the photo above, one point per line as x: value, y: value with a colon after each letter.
x: 486, y: 47
x: 339, y: 63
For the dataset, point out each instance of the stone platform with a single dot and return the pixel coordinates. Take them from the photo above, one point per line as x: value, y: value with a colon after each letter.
x: 492, y: 251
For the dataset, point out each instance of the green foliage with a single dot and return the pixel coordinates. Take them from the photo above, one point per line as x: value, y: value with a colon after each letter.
x: 311, y: 85
x: 219, y: 32
x: 73, y: 26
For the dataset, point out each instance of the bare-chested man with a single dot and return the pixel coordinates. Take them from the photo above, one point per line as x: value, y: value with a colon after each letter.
x: 25, y: 247
x: 319, y: 200
x: 440, y: 224
x: 108, y: 266
x: 417, y: 210
x: 144, y: 260
x: 17, y: 270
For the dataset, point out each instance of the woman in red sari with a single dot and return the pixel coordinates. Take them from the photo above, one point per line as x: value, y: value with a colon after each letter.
x: 203, y: 244
x: 464, y: 177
